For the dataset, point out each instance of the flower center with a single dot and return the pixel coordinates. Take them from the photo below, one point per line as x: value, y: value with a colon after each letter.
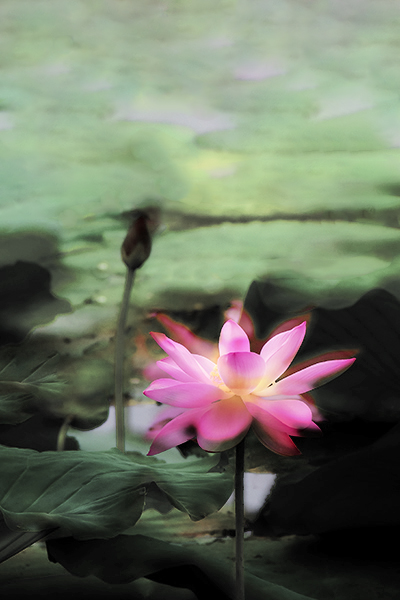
x: 216, y: 380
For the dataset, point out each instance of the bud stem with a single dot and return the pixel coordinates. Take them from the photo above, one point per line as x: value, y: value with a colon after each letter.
x: 62, y: 434
x: 119, y: 361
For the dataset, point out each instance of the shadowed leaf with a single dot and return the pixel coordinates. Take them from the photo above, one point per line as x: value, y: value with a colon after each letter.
x: 23, y: 382
x: 126, y: 558
x: 98, y: 494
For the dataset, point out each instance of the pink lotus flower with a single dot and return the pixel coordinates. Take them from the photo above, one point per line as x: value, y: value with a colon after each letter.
x: 218, y: 402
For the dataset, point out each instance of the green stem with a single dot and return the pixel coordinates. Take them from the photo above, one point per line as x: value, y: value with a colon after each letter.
x: 119, y: 362
x: 62, y: 434
x: 239, y: 520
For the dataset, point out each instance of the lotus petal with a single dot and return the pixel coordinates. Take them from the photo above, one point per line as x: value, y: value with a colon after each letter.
x: 233, y: 339
x: 207, y: 364
x: 267, y: 419
x: 309, y: 378
x: 179, y: 430
x: 277, y: 441
x: 184, y: 394
x: 170, y: 367
x: 241, y: 371
x: 164, y: 416
x: 280, y: 351
x: 181, y: 356
x: 185, y: 336
x: 223, y: 425
x: 288, y: 414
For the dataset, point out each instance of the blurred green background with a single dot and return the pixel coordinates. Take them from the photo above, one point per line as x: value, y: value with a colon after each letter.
x: 267, y: 131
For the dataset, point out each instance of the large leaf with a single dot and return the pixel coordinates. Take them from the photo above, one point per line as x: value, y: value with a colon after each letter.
x: 85, y: 397
x: 189, y: 491
x: 26, y: 298
x: 126, y: 558
x: 98, y: 494
x: 55, y: 386
x: 25, y: 382
x: 12, y: 542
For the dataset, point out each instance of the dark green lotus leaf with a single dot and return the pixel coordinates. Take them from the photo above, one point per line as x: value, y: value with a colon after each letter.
x: 13, y: 409
x: 192, y: 488
x: 126, y: 558
x: 59, y: 388
x: 26, y: 300
x: 99, y: 494
x: 85, y: 398
x: 26, y: 383
x: 84, y: 494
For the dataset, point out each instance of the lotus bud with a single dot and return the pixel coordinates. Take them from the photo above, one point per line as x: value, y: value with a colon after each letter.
x: 136, y: 246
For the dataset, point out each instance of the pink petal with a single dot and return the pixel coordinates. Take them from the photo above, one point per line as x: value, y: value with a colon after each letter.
x: 266, y: 419
x: 234, y: 311
x: 183, y: 335
x: 241, y: 371
x: 311, y: 430
x: 280, y: 351
x: 237, y: 313
x: 181, y: 356
x: 233, y: 339
x: 307, y: 379
x: 185, y: 395
x: 290, y: 323
x: 288, y: 415
x: 293, y: 413
x: 277, y: 441
x: 152, y: 371
x: 179, y: 430
x: 246, y: 324
x: 169, y: 366
x: 164, y: 416
x: 207, y: 364
x: 316, y: 414
x: 223, y: 425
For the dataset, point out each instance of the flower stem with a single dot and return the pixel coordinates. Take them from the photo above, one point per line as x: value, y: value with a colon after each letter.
x: 239, y: 520
x: 62, y: 434
x: 119, y: 361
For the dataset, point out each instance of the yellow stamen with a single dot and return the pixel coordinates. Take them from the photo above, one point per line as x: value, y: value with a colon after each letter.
x: 216, y: 380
